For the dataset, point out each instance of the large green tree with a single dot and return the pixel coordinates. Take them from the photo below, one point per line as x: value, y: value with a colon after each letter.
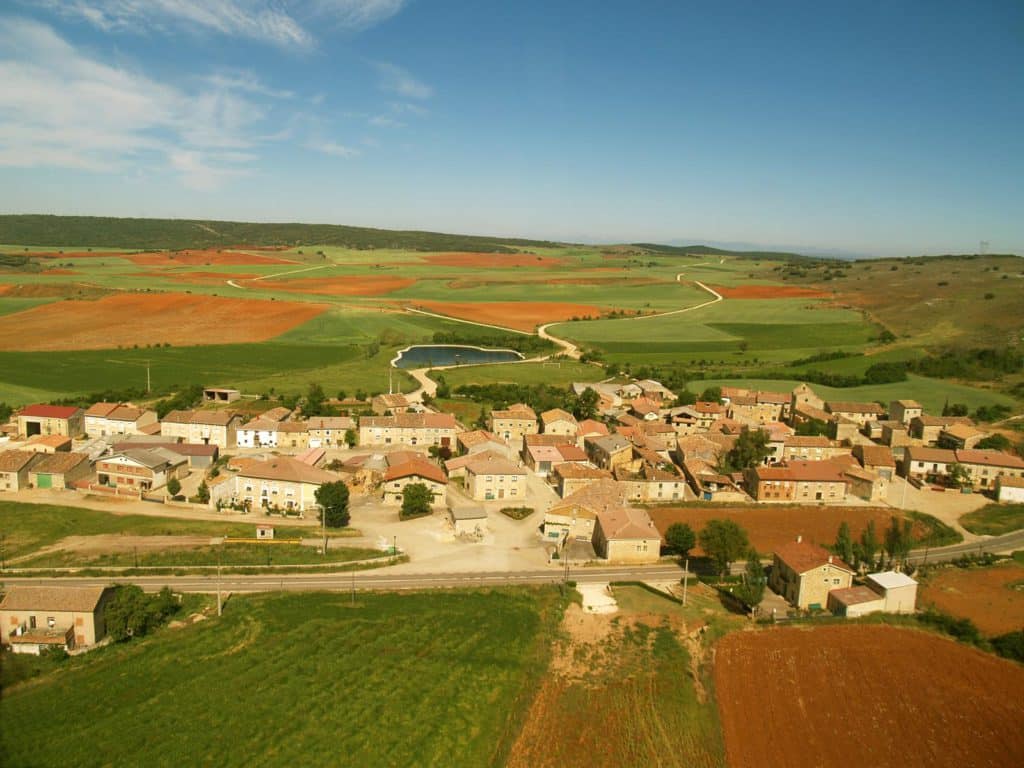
x: 586, y: 404
x: 174, y: 486
x: 844, y: 543
x: 333, y: 501
x: 899, y: 539
x: 724, y: 541
x: 867, y: 546
x: 680, y: 539
x: 754, y: 580
x: 749, y: 450
x: 416, y: 500
x: 132, y: 613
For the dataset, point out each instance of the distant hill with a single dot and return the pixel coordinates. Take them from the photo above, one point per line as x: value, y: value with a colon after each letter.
x: 177, y: 234
x: 707, y: 250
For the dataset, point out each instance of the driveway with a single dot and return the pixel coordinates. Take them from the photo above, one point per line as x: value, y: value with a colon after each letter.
x: 947, y: 506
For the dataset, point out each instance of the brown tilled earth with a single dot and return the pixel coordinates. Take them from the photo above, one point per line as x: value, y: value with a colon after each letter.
x: 521, y: 315
x: 142, y: 318
x: 993, y: 598
x: 203, y: 257
x: 866, y: 696
x: 770, y: 526
x: 490, y: 260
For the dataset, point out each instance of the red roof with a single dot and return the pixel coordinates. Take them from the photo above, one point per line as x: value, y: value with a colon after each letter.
x: 802, y: 556
x: 416, y: 468
x: 50, y: 411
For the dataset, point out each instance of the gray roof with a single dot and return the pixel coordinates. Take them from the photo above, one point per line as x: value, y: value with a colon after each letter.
x: 468, y: 513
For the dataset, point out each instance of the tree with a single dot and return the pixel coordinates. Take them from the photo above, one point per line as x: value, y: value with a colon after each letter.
x: 131, y: 613
x: 956, y: 409
x: 724, y: 541
x: 173, y: 486
x: 680, y: 539
x: 812, y: 428
x: 711, y: 395
x: 316, y: 401
x: 416, y: 501
x: 749, y: 450
x: 586, y: 404
x: 995, y: 442
x: 333, y: 500
x: 899, y: 539
x: 443, y: 388
x: 867, y: 546
x: 844, y: 543
x: 957, y: 476
x: 351, y: 438
x: 5, y: 412
x: 752, y: 592
x: 203, y: 493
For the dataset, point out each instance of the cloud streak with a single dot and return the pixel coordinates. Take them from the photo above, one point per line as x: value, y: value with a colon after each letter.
x: 279, y: 22
x: 395, y: 79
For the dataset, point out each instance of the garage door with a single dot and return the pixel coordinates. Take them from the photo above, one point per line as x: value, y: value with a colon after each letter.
x: 44, y: 481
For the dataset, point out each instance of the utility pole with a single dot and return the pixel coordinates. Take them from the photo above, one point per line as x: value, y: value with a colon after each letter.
x: 323, y: 518
x: 686, y: 579
x: 353, y: 587
x: 149, y: 388
x: 3, y: 552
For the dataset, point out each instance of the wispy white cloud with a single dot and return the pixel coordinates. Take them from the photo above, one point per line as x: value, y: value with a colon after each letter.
x: 397, y: 80
x: 62, y: 108
x: 247, y: 82
x: 282, y: 22
x: 331, y: 148
x: 383, y: 121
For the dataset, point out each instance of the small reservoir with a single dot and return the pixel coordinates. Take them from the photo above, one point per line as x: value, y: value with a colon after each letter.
x: 434, y: 356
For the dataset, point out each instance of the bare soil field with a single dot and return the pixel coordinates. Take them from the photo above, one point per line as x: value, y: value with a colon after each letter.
x: 201, y: 277
x: 868, y: 695
x: 544, y: 279
x: 986, y: 596
x: 521, y: 315
x: 770, y: 292
x: 770, y: 526
x: 491, y: 260
x: 5, y: 288
x: 201, y: 258
x: 622, y: 689
x: 133, y: 318
x: 356, y: 285
x: 61, y: 290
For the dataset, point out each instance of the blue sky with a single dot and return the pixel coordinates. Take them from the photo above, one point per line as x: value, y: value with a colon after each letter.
x: 884, y: 128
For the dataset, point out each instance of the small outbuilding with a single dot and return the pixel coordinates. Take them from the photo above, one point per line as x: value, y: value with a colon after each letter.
x: 853, y: 602
x: 468, y: 521
x: 897, y: 589
x: 1010, y: 489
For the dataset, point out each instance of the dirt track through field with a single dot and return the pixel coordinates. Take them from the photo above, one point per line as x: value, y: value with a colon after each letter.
x: 150, y: 318
x: 867, y: 695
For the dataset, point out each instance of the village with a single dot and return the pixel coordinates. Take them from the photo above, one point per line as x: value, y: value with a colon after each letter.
x: 583, y: 486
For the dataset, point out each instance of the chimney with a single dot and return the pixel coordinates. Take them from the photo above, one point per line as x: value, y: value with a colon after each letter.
x: 830, y: 559
x: 799, y: 538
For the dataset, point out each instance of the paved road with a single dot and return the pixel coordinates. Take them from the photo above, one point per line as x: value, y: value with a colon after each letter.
x: 997, y: 544
x: 368, y: 580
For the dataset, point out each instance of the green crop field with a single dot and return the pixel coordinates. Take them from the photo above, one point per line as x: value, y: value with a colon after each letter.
x: 438, y: 679
x: 931, y: 393
x: 559, y: 373
x: 27, y: 528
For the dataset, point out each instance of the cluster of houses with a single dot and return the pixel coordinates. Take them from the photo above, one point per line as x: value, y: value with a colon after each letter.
x: 645, y: 448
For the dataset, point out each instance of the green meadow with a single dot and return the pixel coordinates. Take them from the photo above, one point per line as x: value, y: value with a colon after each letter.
x: 430, y: 679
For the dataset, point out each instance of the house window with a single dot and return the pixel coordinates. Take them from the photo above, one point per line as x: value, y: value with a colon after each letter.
x: 51, y: 622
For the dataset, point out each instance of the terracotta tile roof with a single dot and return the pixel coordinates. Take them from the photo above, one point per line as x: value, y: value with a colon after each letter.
x: 494, y: 466
x: 50, y: 441
x: 571, y: 453
x: 962, y: 431
x: 627, y: 523
x: 395, y: 400
x: 50, y: 411
x: 610, y: 443
x: 541, y: 453
x: 15, y: 461
x: 557, y: 414
x: 101, y: 410
x: 479, y: 437
x: 774, y: 398
x: 532, y: 440
x: 927, y: 420
x: 519, y: 411
x: 57, y: 599
x: 571, y: 471
x: 593, y: 427
x: 745, y: 400
x: 416, y: 468
x: 331, y: 422
x: 705, y: 406
x: 209, y: 418
x: 807, y: 441
x: 1008, y: 482
x: 802, y: 556
x: 810, y: 412
x: 933, y: 455
x: 599, y: 495
x: 58, y: 463
x: 909, y: 403
x: 280, y: 413
x: 411, y: 421
x: 874, y: 455
x: 990, y: 459
x: 126, y: 413
x: 283, y: 469
x: 644, y: 406
x: 182, y: 449
x: 461, y: 461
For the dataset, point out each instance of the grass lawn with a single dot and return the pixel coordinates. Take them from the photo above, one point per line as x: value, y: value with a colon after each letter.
x: 432, y: 679
x: 28, y: 527
x: 228, y: 555
x: 994, y: 519
x: 559, y: 373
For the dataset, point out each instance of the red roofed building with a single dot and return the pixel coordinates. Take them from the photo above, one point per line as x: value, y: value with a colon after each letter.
x: 804, y: 481
x: 415, y: 470
x: 805, y: 573
x: 626, y: 535
x: 51, y: 420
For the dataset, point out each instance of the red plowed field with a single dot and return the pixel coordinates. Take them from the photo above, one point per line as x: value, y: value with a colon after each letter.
x: 201, y: 277
x: 522, y: 315
x: 201, y: 258
x: 983, y: 595
x: 769, y: 525
x: 770, y: 292
x: 133, y: 318
x: 357, y: 285
x: 490, y: 260
x: 866, y: 696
